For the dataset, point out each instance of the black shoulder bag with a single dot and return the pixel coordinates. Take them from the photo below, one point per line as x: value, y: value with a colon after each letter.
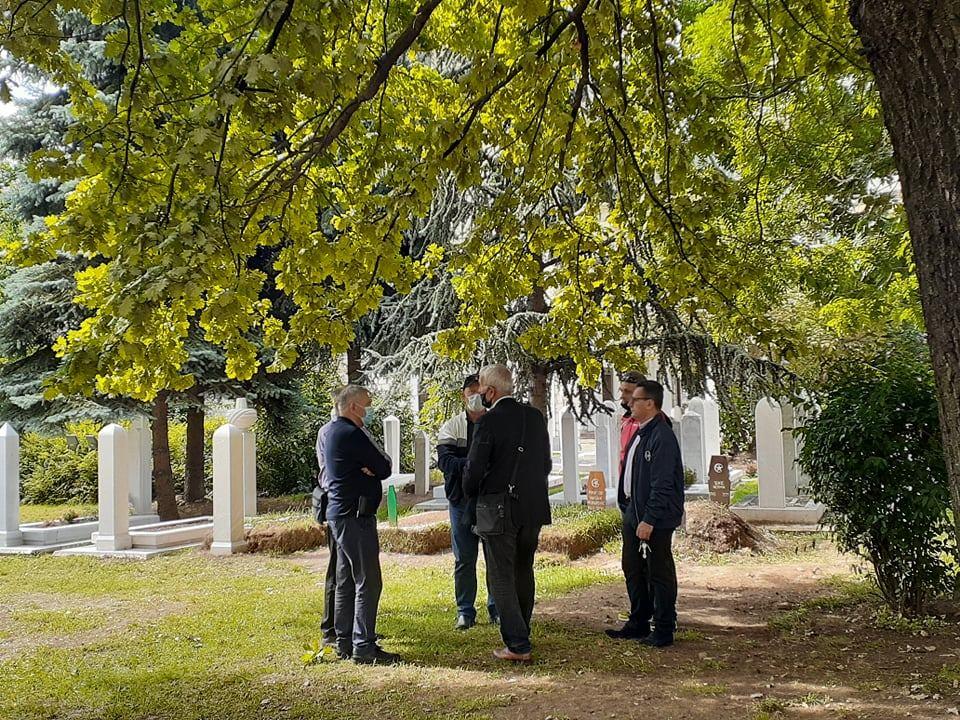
x: 492, y: 507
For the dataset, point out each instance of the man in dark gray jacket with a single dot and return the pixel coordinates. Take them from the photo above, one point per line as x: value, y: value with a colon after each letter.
x: 650, y: 496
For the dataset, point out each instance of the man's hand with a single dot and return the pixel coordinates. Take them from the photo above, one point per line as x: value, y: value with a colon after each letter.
x: 644, y: 531
x: 366, y: 471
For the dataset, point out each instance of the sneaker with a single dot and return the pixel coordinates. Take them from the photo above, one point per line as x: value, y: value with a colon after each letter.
x: 494, y: 619
x: 343, y: 654
x: 329, y: 642
x: 464, y: 622
x: 379, y: 656
x: 628, y: 633
x: 657, y: 640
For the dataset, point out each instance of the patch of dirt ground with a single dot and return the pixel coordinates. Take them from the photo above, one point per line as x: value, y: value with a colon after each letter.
x: 730, y: 663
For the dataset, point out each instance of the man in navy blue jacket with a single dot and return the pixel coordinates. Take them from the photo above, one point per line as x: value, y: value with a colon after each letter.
x: 650, y: 496
x: 354, y: 468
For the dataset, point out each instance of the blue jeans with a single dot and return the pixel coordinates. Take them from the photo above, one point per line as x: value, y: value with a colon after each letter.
x: 465, y: 549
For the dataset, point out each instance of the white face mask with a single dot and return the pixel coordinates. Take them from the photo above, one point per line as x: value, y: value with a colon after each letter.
x: 475, y: 403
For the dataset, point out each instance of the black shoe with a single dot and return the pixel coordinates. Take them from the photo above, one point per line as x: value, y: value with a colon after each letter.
x: 379, y: 656
x: 494, y: 619
x: 464, y: 622
x: 343, y: 654
x: 657, y: 640
x: 628, y: 633
x: 329, y: 642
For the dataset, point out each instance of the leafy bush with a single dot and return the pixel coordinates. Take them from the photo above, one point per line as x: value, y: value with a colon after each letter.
x: 53, y: 473
x: 874, y: 456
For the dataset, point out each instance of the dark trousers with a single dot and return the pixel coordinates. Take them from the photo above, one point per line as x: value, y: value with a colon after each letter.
x: 327, y: 627
x: 359, y: 583
x: 651, y: 582
x: 509, y: 560
x: 466, y: 546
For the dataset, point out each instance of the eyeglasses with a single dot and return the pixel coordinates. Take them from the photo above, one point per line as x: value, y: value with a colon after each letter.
x: 633, y: 400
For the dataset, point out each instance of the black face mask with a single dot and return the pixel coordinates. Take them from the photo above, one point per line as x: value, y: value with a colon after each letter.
x: 486, y: 403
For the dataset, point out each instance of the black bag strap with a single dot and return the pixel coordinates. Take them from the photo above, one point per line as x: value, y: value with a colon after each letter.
x: 520, y: 448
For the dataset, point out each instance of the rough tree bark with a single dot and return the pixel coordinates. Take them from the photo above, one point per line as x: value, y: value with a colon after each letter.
x: 539, y: 373
x: 913, y: 47
x: 194, y: 484
x: 354, y: 374
x: 162, y: 472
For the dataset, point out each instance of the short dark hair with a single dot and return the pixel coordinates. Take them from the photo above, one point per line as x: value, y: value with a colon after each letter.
x: 634, y: 377
x: 654, y: 391
x: 470, y: 381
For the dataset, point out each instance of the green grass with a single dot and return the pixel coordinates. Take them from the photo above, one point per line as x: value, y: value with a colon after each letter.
x: 54, y: 622
x: 197, y: 637
x: 743, y: 489
x: 43, y: 513
x: 846, y: 593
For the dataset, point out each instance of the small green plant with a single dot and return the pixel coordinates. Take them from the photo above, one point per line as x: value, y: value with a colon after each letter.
x: 689, y: 477
x: 315, y: 652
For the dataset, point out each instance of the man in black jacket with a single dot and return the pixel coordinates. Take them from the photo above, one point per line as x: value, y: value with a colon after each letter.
x: 510, y: 454
x: 650, y: 496
x: 354, y: 469
x: 453, y: 443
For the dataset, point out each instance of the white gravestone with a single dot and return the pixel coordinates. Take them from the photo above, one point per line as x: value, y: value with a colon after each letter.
x: 391, y: 442
x: 569, y: 457
x: 141, y: 466
x: 244, y: 417
x: 691, y: 445
x: 9, y: 487
x: 602, y: 442
x: 770, y: 456
x: 612, y: 421
x: 676, y: 415
x: 113, y: 480
x: 228, y: 533
x: 708, y: 409
x: 421, y: 463
x: 789, y: 442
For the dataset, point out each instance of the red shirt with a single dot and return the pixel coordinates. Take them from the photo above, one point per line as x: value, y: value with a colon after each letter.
x: 628, y: 426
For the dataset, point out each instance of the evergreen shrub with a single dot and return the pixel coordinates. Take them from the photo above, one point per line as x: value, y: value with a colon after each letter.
x: 874, y: 456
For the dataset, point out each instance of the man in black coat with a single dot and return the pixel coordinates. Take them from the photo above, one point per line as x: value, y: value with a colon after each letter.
x: 510, y: 454
x: 650, y: 496
x: 354, y: 467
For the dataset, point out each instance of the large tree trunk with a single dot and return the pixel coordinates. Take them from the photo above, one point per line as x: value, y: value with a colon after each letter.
x: 354, y: 374
x: 162, y: 473
x: 539, y: 373
x: 194, y: 485
x: 913, y: 47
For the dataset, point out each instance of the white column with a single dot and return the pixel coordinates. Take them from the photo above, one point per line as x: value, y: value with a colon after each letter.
x: 789, y: 441
x: 9, y: 487
x: 676, y: 415
x: 601, y: 434
x: 113, y: 479
x: 569, y: 457
x: 612, y: 422
x: 709, y: 413
x: 228, y: 534
x: 691, y: 444
x: 391, y: 442
x: 421, y: 463
x: 244, y: 417
x: 770, y: 470
x: 141, y: 467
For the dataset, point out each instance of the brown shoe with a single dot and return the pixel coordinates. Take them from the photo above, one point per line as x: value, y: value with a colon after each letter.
x: 508, y: 654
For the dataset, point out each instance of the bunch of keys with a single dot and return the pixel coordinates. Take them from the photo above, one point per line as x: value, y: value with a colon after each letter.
x: 644, y: 548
